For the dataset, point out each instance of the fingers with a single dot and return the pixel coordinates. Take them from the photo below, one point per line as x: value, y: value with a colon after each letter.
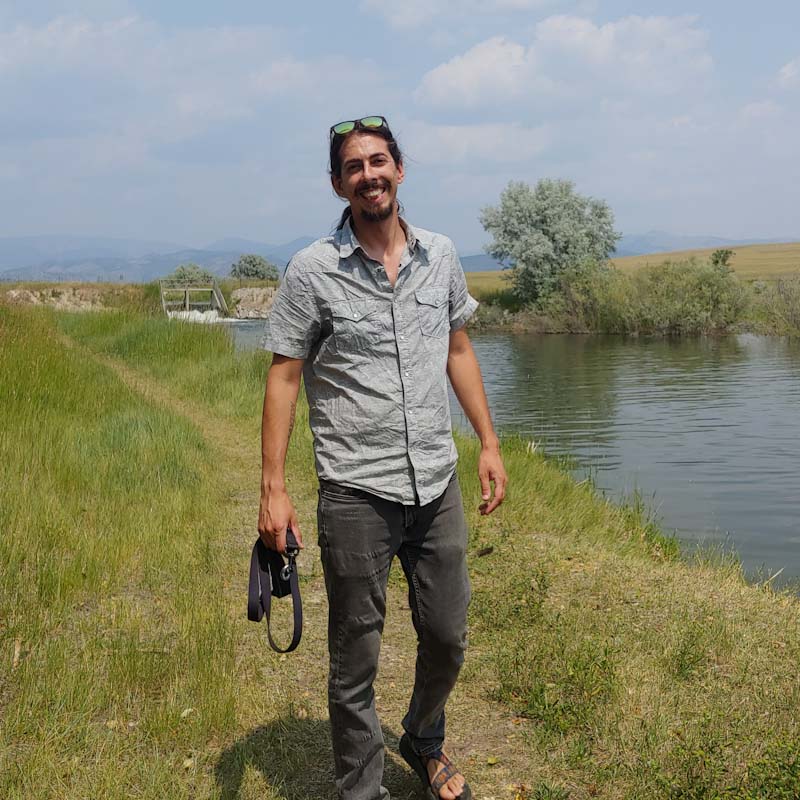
x: 499, y: 494
x: 294, y: 524
x: 486, y: 490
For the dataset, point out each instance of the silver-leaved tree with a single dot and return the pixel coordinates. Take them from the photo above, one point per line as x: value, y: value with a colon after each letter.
x: 542, y: 231
x: 254, y: 266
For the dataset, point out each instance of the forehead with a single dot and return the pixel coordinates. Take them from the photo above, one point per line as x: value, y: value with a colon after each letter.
x: 359, y: 146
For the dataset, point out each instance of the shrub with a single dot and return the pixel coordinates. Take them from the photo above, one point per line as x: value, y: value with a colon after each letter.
x: 191, y: 273
x: 671, y: 298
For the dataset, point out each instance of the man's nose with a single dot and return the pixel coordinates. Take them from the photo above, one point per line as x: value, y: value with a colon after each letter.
x: 369, y: 171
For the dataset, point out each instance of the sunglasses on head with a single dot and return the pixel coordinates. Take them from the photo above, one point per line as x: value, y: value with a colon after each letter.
x: 367, y: 123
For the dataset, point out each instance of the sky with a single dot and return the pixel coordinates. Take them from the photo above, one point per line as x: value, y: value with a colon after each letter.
x: 193, y: 121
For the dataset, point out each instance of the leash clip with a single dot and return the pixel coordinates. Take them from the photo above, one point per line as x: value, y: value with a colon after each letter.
x: 287, y: 571
x: 292, y: 550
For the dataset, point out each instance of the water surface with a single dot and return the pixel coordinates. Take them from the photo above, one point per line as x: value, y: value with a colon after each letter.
x: 706, y: 429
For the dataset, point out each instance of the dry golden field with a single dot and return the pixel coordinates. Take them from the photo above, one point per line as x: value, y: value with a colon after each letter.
x: 766, y: 262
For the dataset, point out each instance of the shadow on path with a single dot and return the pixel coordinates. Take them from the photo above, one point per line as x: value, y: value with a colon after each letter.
x: 295, y: 759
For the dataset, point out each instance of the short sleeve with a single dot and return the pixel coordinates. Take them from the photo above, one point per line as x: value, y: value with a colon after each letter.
x: 294, y: 321
x: 462, y: 303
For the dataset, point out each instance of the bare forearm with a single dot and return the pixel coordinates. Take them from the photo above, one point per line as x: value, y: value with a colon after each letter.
x: 277, y: 422
x: 465, y: 377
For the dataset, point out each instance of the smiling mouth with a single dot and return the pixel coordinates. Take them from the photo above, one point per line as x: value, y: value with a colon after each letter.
x: 374, y: 194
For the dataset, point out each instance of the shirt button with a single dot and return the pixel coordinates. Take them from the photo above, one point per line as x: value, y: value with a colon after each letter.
x: 407, y: 373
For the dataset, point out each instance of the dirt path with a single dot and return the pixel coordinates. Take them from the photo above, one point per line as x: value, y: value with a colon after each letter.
x: 282, y: 749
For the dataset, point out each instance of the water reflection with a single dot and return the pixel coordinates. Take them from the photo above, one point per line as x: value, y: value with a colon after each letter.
x: 706, y: 429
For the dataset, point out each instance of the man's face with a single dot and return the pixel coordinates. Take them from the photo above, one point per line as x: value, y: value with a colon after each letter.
x: 369, y: 177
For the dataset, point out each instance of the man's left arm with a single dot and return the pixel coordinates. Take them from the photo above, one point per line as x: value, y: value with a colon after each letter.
x: 465, y: 377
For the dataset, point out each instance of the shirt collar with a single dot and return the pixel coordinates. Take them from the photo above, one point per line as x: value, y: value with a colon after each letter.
x: 348, y: 243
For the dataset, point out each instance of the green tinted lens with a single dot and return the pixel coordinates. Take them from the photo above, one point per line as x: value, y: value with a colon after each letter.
x: 372, y: 122
x: 344, y: 127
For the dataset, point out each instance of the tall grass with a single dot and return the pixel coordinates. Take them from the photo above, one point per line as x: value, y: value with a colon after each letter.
x: 111, y: 618
x: 670, y: 298
x: 633, y: 674
x: 776, y: 307
x: 200, y: 365
x: 617, y: 669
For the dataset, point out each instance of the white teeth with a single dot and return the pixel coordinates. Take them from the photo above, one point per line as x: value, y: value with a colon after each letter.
x: 373, y: 193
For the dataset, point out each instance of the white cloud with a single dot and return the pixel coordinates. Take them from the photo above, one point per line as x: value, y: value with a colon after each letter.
x: 497, y: 143
x: 130, y: 79
x: 575, y: 57
x: 413, y: 13
x: 497, y: 68
x: 761, y: 111
x: 789, y: 75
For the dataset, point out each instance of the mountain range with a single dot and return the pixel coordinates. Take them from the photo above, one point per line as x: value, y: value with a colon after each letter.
x: 87, y: 258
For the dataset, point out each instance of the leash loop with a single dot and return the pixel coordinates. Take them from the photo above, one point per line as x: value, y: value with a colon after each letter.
x: 270, y: 576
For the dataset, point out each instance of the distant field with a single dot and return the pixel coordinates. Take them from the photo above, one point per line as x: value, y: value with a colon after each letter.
x: 752, y: 262
x: 482, y: 283
x: 766, y: 262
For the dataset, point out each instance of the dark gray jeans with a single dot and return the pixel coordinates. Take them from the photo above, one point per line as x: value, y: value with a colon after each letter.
x: 359, y: 535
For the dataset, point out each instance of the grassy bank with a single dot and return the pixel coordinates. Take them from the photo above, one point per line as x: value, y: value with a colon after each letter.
x: 674, y: 297
x: 601, y: 664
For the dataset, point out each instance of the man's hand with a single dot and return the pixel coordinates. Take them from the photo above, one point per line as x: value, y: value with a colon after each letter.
x: 276, y: 513
x: 491, y: 471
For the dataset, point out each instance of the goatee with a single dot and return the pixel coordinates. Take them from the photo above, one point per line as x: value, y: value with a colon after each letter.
x: 378, y: 215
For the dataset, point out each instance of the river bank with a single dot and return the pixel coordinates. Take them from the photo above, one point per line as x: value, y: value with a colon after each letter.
x: 601, y: 663
x: 671, y: 298
x: 245, y: 302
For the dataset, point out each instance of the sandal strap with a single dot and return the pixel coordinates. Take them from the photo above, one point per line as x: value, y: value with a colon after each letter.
x: 442, y: 776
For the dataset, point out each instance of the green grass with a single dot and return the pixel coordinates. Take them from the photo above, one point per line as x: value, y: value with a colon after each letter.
x: 602, y: 663
x: 109, y: 510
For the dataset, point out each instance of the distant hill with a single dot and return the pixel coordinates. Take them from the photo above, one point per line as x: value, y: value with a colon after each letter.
x: 662, y: 242
x: 87, y: 258
x: 479, y: 263
x: 18, y: 252
x: 278, y: 254
x: 65, y: 258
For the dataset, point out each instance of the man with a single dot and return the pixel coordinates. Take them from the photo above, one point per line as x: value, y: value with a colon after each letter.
x: 373, y: 318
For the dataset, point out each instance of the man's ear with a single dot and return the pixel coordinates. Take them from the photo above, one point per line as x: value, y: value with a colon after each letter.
x: 401, y: 172
x: 336, y: 182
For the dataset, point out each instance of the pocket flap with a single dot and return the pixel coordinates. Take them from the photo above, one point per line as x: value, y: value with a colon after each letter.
x: 432, y: 296
x: 352, y: 309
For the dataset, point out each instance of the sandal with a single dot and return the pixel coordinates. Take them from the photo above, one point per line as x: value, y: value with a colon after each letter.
x: 418, y: 764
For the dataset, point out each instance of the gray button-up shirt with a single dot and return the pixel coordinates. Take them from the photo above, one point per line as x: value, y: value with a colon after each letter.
x: 375, y: 359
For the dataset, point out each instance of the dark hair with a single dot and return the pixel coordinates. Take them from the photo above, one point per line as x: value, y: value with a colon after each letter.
x: 337, y: 143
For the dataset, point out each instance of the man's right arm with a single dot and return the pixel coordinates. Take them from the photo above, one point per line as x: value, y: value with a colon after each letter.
x: 276, y: 511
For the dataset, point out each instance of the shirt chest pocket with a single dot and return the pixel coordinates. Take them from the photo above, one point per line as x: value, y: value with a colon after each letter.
x: 432, y: 308
x: 355, y: 324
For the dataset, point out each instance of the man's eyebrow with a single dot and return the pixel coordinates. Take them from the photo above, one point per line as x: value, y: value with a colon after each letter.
x: 369, y: 158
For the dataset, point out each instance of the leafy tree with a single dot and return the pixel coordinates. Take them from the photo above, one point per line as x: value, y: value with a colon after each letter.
x: 254, y: 266
x: 542, y: 231
x: 722, y: 258
x: 192, y: 273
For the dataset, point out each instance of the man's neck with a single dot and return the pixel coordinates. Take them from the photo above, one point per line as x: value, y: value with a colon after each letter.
x: 379, y: 238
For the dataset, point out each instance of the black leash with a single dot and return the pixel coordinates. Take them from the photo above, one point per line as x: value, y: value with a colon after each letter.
x: 270, y: 576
